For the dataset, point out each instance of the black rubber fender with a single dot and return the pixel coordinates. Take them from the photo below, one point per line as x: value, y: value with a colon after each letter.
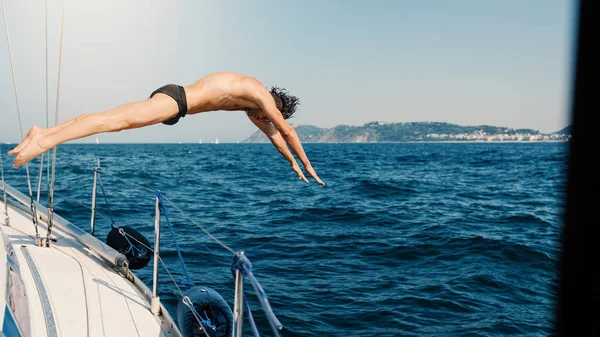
x: 140, y: 256
x: 209, y: 304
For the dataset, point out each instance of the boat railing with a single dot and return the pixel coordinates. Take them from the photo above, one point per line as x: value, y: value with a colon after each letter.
x: 241, y: 267
x: 112, y: 257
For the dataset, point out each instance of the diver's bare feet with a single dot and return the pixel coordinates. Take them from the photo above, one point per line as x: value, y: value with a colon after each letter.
x: 32, y: 132
x: 36, y: 146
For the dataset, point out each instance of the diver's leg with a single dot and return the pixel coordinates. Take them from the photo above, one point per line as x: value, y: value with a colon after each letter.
x: 128, y: 116
x: 37, y: 130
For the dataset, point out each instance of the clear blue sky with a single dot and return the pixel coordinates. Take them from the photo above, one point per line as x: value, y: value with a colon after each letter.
x: 469, y: 62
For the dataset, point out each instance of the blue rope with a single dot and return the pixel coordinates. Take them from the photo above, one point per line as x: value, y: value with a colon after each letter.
x: 250, y: 318
x: 241, y: 263
x: 204, y: 322
x: 163, y: 209
x: 112, y: 221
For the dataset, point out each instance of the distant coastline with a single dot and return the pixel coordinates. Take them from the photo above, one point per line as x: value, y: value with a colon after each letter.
x: 483, y: 141
x: 418, y: 132
x: 409, y: 132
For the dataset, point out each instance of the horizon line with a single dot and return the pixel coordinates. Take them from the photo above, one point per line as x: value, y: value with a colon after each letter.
x: 322, y: 127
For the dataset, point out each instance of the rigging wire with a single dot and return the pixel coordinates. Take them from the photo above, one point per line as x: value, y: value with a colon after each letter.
x: 39, y: 185
x: 6, y: 219
x: 180, y: 211
x: 47, y: 112
x: 51, y: 191
x: 12, y: 67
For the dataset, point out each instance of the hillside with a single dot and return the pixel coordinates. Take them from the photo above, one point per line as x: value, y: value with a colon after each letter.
x: 385, y: 132
x: 565, y: 131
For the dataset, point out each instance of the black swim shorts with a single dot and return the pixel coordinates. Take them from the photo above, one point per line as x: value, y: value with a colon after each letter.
x: 177, y: 93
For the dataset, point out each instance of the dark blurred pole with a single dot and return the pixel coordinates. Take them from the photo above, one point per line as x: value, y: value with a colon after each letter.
x: 578, y: 312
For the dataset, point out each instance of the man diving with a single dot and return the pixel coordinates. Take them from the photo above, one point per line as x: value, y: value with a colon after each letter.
x: 268, y: 110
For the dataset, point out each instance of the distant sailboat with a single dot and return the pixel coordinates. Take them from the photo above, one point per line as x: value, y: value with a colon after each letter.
x: 97, y: 141
x: 200, y: 141
x: 217, y: 140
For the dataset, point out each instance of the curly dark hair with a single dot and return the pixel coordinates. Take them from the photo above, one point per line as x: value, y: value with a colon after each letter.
x: 286, y: 103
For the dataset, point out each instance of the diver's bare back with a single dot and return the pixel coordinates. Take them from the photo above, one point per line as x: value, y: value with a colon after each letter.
x: 223, y: 91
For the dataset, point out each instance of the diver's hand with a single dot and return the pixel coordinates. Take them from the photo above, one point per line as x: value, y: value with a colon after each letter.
x: 298, y: 171
x: 312, y: 172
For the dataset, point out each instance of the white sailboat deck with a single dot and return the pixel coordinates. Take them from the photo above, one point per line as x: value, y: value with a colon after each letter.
x: 70, y: 287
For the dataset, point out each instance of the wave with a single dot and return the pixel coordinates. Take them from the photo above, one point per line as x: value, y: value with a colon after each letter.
x: 374, y: 189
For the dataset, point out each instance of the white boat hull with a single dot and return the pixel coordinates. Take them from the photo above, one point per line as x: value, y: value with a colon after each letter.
x: 70, y: 289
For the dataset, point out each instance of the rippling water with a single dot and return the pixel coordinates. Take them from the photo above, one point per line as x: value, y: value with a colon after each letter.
x: 453, y: 239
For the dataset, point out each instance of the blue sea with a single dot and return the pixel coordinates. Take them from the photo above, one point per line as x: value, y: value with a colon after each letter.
x: 413, y: 239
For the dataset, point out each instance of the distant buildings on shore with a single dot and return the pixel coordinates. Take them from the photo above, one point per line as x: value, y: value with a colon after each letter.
x: 483, y: 136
